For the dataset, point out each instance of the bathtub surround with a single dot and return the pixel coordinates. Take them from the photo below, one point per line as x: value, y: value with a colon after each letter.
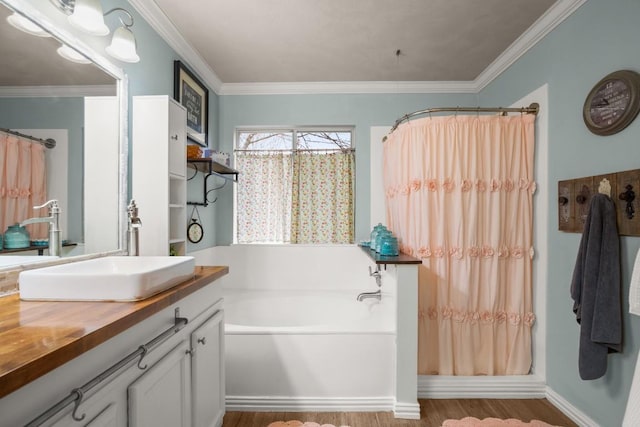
x: 344, y: 355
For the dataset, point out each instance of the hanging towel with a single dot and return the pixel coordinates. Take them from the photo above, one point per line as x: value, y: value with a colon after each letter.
x: 595, y: 289
x: 632, y: 413
x: 634, y: 288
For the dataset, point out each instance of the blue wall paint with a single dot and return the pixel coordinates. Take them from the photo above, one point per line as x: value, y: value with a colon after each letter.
x: 597, y: 39
x: 361, y: 111
x: 54, y: 113
x: 153, y: 75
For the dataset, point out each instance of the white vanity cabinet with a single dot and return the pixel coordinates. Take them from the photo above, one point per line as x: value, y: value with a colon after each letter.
x: 186, y: 387
x: 207, y: 372
x: 182, y: 384
x: 162, y: 396
x: 158, y: 173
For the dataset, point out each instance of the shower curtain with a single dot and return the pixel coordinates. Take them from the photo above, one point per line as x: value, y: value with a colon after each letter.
x: 22, y: 183
x: 459, y: 197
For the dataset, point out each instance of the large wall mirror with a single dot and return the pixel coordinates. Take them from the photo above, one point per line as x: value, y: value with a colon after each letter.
x: 83, y: 107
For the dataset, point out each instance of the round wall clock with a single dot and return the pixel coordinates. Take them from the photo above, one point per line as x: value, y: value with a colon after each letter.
x: 613, y: 103
x: 194, y: 231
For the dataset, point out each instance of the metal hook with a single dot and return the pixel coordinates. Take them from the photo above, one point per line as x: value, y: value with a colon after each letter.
x: 142, y: 356
x: 76, y: 405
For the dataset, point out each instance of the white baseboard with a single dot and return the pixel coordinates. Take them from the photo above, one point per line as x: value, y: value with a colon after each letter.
x: 502, y: 387
x: 569, y: 410
x: 407, y: 411
x: 310, y: 404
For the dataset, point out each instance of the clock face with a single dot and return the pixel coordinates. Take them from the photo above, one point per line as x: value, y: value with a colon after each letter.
x: 194, y: 232
x: 613, y: 103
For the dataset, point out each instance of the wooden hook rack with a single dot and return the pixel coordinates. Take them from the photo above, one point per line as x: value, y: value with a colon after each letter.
x: 574, y: 196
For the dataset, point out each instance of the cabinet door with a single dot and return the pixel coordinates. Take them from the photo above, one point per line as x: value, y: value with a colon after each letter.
x: 207, y: 343
x: 177, y: 139
x: 162, y: 396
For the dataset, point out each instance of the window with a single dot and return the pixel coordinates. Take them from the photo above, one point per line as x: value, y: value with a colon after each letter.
x: 295, y: 186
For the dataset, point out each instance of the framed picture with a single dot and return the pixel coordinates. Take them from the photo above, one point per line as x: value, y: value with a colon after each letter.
x: 194, y: 96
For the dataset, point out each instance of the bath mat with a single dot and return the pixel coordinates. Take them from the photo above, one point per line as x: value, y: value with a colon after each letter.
x: 493, y: 422
x: 296, y: 423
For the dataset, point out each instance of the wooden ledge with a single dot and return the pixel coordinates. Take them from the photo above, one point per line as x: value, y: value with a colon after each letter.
x: 383, y: 260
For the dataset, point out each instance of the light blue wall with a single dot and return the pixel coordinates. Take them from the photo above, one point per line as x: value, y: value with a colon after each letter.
x: 599, y: 38
x: 361, y: 111
x: 54, y: 113
x: 153, y: 75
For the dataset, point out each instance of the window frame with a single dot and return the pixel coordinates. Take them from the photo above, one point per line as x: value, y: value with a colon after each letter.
x: 295, y: 130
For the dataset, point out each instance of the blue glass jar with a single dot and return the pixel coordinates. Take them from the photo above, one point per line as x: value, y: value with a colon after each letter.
x: 380, y: 237
x: 389, y: 246
x: 16, y: 237
x: 374, y: 235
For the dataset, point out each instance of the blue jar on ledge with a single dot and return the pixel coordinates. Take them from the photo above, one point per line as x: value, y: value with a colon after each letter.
x: 16, y: 237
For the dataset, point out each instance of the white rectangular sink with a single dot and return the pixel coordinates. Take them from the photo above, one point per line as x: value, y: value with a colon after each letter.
x: 114, y: 278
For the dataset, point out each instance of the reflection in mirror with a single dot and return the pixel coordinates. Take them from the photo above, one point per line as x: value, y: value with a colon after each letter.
x: 44, y: 96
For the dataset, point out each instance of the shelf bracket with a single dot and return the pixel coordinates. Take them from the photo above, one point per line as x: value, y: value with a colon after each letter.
x: 206, y: 166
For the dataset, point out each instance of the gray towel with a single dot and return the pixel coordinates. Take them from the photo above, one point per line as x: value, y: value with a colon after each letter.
x: 595, y: 289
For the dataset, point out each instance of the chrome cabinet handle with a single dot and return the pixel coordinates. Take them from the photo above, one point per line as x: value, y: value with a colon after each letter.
x: 203, y: 340
x: 174, y: 137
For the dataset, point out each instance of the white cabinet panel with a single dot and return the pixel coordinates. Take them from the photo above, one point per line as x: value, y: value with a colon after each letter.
x: 158, y: 173
x: 207, y: 343
x: 162, y: 396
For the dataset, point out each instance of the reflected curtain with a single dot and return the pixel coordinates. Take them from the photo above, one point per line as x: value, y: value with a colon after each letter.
x: 459, y: 197
x: 323, y: 197
x: 22, y: 183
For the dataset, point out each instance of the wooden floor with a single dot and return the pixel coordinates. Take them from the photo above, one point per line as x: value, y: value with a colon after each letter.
x: 432, y: 413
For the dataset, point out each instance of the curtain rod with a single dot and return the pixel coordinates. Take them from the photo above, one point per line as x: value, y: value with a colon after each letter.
x: 48, y: 143
x: 531, y: 109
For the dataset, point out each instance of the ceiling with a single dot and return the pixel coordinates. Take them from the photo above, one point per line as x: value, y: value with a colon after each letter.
x: 252, y: 41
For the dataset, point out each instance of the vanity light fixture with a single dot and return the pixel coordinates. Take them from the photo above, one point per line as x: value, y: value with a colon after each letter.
x: 23, y: 24
x: 87, y: 16
x: 72, y: 55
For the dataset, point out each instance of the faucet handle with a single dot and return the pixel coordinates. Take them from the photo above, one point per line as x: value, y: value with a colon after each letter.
x: 375, y: 273
x: 53, y: 206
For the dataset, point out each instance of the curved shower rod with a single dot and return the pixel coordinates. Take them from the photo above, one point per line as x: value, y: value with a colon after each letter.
x: 531, y: 109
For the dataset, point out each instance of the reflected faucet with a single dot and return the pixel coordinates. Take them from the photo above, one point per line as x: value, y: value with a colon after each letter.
x: 55, y: 244
x: 133, y: 227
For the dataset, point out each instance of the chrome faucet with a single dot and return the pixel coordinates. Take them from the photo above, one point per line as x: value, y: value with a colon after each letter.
x: 377, y: 294
x: 55, y: 244
x: 133, y: 226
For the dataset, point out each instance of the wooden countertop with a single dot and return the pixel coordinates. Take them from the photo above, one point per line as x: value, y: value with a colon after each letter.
x: 37, y: 337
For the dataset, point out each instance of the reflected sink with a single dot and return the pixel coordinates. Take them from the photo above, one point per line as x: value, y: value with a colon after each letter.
x: 113, y: 278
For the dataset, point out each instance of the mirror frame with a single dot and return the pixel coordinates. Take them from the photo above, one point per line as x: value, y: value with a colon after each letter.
x: 32, y: 13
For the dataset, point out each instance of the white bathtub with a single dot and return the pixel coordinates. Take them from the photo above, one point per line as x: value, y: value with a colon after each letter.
x: 309, y: 350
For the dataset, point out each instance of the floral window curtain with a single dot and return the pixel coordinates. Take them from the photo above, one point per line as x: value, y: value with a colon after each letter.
x: 22, y: 182
x: 323, y: 194
x: 263, y: 197
x: 459, y: 196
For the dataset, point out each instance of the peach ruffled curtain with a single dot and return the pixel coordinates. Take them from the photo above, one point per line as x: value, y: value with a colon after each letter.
x: 459, y: 196
x: 22, y: 182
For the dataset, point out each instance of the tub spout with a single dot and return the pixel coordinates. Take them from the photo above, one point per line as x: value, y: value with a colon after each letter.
x: 377, y: 295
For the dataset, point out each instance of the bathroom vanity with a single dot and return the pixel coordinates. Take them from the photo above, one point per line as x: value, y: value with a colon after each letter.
x: 171, y: 345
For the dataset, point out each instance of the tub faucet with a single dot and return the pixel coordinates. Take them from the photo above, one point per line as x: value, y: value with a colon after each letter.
x: 364, y: 295
x: 55, y: 244
x: 376, y: 273
x: 133, y: 226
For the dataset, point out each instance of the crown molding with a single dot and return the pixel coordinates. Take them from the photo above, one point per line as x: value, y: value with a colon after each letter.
x: 536, y: 32
x: 547, y: 22
x: 57, y: 91
x: 306, y: 88
x: 165, y: 28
